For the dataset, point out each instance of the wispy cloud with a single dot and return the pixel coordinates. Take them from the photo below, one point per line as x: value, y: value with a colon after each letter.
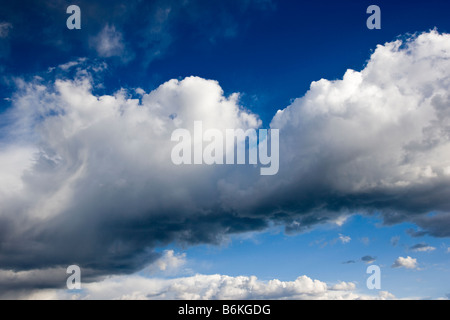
x: 110, y: 43
x: 395, y: 240
x: 344, y: 239
x: 5, y: 28
x: 422, y: 247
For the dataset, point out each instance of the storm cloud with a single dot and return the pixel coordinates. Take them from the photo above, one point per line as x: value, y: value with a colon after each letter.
x: 88, y: 179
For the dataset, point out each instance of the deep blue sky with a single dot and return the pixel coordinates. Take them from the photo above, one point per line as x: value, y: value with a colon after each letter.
x: 271, y: 54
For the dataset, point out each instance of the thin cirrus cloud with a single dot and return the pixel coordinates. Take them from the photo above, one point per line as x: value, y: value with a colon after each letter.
x: 95, y: 186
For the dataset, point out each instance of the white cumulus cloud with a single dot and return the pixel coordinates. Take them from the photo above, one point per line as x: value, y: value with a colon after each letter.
x: 408, y: 263
x: 210, y: 287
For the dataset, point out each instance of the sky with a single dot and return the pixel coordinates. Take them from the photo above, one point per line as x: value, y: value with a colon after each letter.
x: 87, y: 179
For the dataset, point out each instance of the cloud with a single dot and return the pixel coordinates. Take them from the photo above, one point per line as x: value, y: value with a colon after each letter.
x: 416, y: 233
x: 408, y: 263
x: 68, y: 65
x: 210, y: 287
x: 169, y: 264
x: 5, y: 47
x: 375, y: 141
x: 395, y: 240
x: 94, y: 184
x: 140, y: 31
x: 156, y: 36
x: 344, y: 286
x: 5, y: 28
x: 368, y: 259
x: 422, y: 247
x: 344, y: 239
x: 89, y: 186
x: 437, y: 225
x: 110, y: 43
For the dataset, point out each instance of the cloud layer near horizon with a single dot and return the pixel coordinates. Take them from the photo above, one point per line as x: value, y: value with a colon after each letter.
x: 210, y: 287
x: 88, y: 179
x: 141, y: 286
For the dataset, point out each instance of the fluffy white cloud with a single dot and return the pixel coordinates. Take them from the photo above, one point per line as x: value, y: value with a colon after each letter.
x: 377, y: 140
x: 98, y: 169
x: 381, y: 128
x: 207, y: 287
x: 408, y: 263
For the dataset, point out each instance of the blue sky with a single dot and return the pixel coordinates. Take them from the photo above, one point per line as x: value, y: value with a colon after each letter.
x: 270, y: 52
x: 272, y: 55
x: 321, y: 255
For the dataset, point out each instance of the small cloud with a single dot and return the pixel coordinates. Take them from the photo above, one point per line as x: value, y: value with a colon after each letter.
x: 66, y: 66
x: 5, y: 27
x: 139, y: 91
x: 416, y: 233
x: 344, y: 239
x: 339, y: 221
x: 344, y: 286
x: 368, y: 259
x: 385, y: 295
x: 110, y: 43
x: 422, y: 247
x: 395, y: 240
x: 349, y: 262
x: 408, y: 263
